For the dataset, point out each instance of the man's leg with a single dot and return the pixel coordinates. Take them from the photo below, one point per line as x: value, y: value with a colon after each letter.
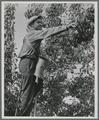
x: 29, y: 87
x: 27, y: 68
x: 27, y: 96
x: 29, y: 90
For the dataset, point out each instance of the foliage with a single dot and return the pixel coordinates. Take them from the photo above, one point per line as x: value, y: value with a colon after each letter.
x: 33, y: 9
x: 10, y: 61
x: 54, y: 10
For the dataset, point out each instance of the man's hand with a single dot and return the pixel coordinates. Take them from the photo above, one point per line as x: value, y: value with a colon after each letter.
x: 72, y: 25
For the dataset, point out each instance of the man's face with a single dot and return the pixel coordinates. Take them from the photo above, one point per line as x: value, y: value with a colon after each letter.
x: 38, y: 24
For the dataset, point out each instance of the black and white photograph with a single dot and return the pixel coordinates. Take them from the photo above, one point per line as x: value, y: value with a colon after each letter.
x: 49, y: 59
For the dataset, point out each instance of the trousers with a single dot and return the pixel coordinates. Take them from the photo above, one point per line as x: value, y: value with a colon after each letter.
x: 29, y: 87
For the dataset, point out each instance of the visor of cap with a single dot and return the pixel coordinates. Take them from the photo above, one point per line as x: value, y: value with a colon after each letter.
x: 33, y: 19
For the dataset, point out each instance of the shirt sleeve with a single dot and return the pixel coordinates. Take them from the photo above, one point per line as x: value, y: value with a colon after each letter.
x: 53, y: 31
x: 47, y: 32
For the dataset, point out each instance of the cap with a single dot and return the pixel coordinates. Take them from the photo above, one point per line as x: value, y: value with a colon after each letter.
x: 33, y: 19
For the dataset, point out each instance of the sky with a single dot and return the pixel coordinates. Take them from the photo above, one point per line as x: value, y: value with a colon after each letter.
x: 20, y: 26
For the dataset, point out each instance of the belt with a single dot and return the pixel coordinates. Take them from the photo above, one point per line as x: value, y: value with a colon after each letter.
x: 29, y: 57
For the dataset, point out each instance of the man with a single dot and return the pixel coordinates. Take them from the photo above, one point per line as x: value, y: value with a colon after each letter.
x: 29, y: 56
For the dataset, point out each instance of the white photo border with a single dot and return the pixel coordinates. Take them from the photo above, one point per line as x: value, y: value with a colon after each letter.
x: 2, y: 59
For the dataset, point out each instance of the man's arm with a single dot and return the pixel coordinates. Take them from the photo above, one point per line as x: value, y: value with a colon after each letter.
x: 53, y: 31
x: 45, y: 33
x: 42, y: 34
